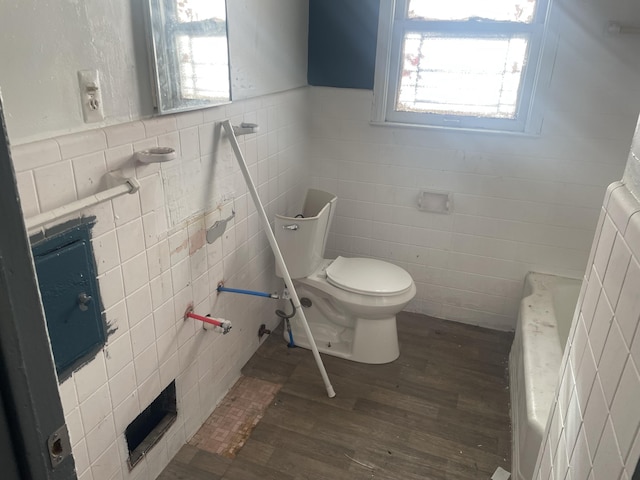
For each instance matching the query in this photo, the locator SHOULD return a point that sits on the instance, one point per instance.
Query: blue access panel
(69, 290)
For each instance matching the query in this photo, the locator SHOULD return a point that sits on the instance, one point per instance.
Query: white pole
(276, 251)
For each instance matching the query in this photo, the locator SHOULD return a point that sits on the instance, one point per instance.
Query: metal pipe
(248, 292)
(278, 255)
(130, 185)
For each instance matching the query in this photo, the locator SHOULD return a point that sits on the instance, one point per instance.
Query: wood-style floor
(441, 411)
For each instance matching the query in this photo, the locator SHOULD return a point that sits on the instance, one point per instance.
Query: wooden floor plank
(182, 471)
(242, 469)
(209, 462)
(440, 411)
(256, 452)
(274, 370)
(301, 466)
(307, 446)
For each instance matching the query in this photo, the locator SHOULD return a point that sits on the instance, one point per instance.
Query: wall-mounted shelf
(156, 155)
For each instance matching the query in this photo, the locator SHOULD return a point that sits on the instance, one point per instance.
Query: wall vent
(149, 427)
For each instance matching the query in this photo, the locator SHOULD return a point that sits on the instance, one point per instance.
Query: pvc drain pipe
(276, 252)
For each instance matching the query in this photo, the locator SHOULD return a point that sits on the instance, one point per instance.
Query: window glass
(196, 10)
(459, 10)
(473, 76)
(203, 64)
(467, 64)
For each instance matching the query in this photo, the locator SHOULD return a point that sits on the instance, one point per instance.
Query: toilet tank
(302, 240)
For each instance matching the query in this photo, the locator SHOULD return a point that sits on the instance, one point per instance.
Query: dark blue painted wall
(342, 43)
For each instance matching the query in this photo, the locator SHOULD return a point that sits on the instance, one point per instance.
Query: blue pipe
(247, 292)
(291, 343)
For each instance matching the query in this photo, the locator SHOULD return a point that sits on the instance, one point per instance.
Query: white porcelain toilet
(350, 303)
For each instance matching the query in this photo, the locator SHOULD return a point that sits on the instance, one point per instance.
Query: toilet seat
(368, 276)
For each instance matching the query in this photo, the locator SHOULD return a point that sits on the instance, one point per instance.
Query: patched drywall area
(200, 184)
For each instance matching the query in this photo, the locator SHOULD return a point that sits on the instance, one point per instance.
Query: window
(200, 36)
(188, 53)
(458, 63)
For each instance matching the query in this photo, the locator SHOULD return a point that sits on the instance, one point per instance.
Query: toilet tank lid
(368, 276)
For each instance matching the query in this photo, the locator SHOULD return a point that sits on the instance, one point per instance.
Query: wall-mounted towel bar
(129, 185)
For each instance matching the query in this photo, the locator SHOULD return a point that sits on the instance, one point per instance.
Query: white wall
(632, 171)
(520, 203)
(593, 425)
(268, 41)
(150, 264)
(149, 273)
(44, 44)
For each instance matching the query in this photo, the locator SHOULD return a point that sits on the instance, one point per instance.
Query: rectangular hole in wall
(149, 427)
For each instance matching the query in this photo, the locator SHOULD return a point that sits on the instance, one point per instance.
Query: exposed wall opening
(149, 427)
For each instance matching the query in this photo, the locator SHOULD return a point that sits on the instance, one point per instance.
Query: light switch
(91, 96)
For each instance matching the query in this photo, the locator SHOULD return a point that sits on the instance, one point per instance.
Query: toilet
(350, 303)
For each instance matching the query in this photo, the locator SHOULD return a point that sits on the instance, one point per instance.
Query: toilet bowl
(350, 303)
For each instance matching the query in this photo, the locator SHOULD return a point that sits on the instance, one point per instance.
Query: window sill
(463, 130)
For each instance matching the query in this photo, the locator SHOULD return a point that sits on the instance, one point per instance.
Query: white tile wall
(148, 272)
(520, 203)
(599, 424)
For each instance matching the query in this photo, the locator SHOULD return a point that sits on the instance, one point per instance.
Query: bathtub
(544, 320)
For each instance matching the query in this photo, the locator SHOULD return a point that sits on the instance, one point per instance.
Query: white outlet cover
(91, 96)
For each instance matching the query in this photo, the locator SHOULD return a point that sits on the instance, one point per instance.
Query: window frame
(392, 26)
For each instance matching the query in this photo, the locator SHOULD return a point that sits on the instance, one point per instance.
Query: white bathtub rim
(515, 422)
(541, 357)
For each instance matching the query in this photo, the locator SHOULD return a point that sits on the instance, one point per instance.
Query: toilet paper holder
(434, 201)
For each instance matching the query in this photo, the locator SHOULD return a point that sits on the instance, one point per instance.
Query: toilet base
(376, 342)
